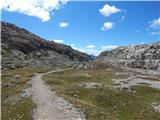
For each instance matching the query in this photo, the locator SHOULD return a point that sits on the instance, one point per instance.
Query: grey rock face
(92, 85)
(83, 65)
(22, 48)
(131, 81)
(137, 56)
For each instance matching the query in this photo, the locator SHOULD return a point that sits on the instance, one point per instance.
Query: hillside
(135, 56)
(21, 48)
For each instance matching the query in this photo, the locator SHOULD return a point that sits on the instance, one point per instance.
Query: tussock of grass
(105, 103)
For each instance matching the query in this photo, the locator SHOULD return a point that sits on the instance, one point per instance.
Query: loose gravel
(49, 105)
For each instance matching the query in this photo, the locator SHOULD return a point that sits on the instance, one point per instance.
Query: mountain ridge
(19, 43)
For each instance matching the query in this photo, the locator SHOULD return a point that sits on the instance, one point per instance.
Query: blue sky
(93, 27)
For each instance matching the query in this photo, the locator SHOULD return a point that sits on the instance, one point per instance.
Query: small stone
(124, 104)
(115, 107)
(17, 76)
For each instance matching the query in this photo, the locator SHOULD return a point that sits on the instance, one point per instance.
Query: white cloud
(155, 24)
(58, 41)
(154, 27)
(72, 45)
(109, 47)
(155, 33)
(122, 18)
(37, 8)
(107, 26)
(63, 24)
(90, 51)
(136, 31)
(107, 10)
(94, 51)
(143, 43)
(90, 46)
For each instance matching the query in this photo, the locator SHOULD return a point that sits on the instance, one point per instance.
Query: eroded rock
(92, 85)
(134, 56)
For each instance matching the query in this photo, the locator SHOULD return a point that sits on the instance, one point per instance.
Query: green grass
(13, 105)
(149, 94)
(21, 110)
(104, 103)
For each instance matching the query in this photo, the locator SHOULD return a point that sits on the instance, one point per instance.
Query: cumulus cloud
(94, 51)
(107, 26)
(37, 8)
(107, 10)
(90, 46)
(155, 24)
(122, 18)
(58, 41)
(155, 33)
(72, 45)
(136, 31)
(91, 50)
(63, 24)
(109, 47)
(143, 43)
(154, 27)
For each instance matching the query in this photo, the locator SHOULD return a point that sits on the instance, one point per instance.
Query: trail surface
(49, 105)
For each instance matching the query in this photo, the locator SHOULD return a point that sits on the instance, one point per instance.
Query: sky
(88, 26)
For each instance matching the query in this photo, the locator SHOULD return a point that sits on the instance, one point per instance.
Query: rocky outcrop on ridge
(21, 48)
(134, 56)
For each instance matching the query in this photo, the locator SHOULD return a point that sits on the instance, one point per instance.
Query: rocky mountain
(134, 56)
(21, 48)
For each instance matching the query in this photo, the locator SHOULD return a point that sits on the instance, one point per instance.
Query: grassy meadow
(104, 102)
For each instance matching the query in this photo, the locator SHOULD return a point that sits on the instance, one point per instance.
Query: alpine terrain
(45, 80)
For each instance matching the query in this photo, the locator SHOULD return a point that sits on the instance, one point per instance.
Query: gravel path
(49, 105)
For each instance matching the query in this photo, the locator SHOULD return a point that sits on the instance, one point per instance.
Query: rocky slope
(134, 56)
(21, 48)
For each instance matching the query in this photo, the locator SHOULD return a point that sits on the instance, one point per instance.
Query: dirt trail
(49, 105)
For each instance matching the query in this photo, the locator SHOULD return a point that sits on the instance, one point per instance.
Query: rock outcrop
(21, 48)
(134, 56)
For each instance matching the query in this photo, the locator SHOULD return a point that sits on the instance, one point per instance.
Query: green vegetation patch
(104, 103)
(150, 94)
